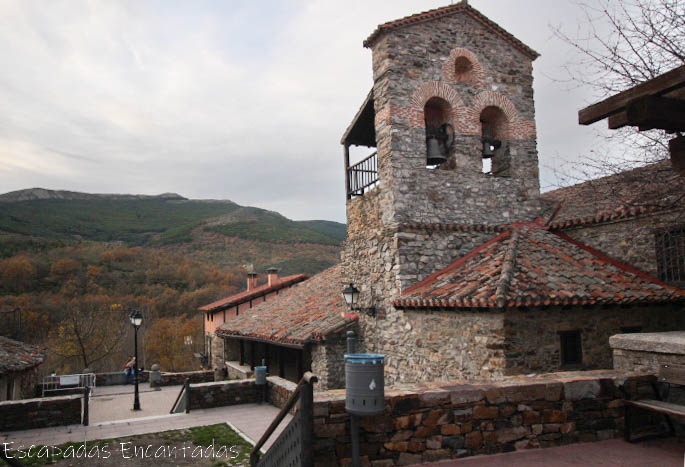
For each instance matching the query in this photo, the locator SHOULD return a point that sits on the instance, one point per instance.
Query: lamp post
(136, 318)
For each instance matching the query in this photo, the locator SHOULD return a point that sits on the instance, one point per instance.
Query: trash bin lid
(365, 358)
(260, 368)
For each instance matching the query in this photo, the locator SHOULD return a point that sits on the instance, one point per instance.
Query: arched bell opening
(494, 137)
(439, 131)
(463, 70)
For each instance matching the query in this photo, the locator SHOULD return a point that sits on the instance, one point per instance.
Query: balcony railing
(362, 176)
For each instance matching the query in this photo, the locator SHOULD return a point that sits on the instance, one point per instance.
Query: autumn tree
(171, 342)
(620, 44)
(17, 274)
(91, 329)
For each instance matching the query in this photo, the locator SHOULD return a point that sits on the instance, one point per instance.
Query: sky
(229, 99)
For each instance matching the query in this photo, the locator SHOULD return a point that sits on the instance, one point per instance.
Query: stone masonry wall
(223, 393)
(644, 361)
(176, 379)
(28, 414)
(435, 422)
(328, 362)
(532, 343)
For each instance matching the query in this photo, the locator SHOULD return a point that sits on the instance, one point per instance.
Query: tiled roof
(461, 7)
(17, 356)
(243, 297)
(630, 193)
(531, 266)
(306, 312)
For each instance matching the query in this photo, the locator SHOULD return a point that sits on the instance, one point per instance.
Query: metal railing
(294, 446)
(362, 176)
(182, 402)
(54, 383)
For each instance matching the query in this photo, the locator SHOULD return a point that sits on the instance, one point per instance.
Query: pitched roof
(306, 312)
(654, 187)
(18, 356)
(246, 295)
(530, 266)
(461, 7)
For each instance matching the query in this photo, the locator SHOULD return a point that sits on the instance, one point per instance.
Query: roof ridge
(462, 6)
(623, 211)
(507, 272)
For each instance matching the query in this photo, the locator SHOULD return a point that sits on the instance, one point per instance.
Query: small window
(630, 329)
(571, 348)
(670, 254)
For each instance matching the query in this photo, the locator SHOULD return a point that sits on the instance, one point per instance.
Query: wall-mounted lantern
(351, 294)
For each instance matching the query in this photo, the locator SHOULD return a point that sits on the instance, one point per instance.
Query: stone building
(472, 273)
(216, 313)
(18, 368)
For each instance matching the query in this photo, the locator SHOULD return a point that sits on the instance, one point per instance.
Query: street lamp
(351, 294)
(136, 318)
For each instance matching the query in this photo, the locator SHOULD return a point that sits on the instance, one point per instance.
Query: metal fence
(67, 383)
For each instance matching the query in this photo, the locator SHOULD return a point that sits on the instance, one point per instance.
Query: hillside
(150, 220)
(76, 263)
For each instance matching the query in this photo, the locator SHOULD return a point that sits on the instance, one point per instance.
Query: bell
(435, 153)
(489, 146)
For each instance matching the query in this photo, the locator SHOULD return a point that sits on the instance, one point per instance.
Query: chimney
(272, 276)
(251, 277)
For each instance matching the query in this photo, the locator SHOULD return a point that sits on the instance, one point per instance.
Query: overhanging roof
(362, 130)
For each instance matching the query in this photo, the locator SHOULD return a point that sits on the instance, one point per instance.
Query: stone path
(110, 403)
(250, 420)
(613, 452)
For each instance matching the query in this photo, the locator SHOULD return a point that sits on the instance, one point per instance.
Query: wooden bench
(669, 375)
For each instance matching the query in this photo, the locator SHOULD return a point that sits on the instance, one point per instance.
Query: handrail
(185, 383)
(362, 175)
(307, 378)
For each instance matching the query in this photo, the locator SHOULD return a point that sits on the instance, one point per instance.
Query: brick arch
(491, 99)
(439, 89)
(477, 74)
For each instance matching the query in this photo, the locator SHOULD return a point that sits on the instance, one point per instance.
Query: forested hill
(74, 264)
(153, 221)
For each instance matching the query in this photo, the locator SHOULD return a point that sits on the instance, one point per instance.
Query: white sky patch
(232, 100)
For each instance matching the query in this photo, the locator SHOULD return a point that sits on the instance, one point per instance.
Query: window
(571, 348)
(670, 254)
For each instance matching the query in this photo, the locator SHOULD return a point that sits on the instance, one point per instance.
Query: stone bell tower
(452, 118)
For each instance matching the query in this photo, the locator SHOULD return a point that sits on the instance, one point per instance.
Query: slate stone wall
(29, 414)
(431, 423)
(223, 393)
(532, 343)
(177, 379)
(328, 362)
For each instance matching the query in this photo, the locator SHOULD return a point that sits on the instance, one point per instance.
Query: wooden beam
(618, 120)
(677, 149)
(658, 86)
(347, 171)
(652, 112)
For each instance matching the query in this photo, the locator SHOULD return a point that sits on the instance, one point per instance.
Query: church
(463, 269)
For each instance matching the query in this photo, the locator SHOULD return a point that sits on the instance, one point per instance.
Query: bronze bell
(489, 146)
(436, 155)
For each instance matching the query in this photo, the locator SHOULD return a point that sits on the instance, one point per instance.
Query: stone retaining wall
(176, 379)
(280, 390)
(224, 393)
(434, 421)
(118, 377)
(28, 414)
(648, 352)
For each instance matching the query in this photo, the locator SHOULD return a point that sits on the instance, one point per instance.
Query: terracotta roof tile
(306, 312)
(246, 295)
(18, 356)
(531, 266)
(631, 193)
(461, 7)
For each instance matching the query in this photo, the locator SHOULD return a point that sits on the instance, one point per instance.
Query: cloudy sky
(230, 99)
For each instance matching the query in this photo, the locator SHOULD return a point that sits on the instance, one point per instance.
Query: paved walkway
(613, 452)
(250, 420)
(110, 403)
